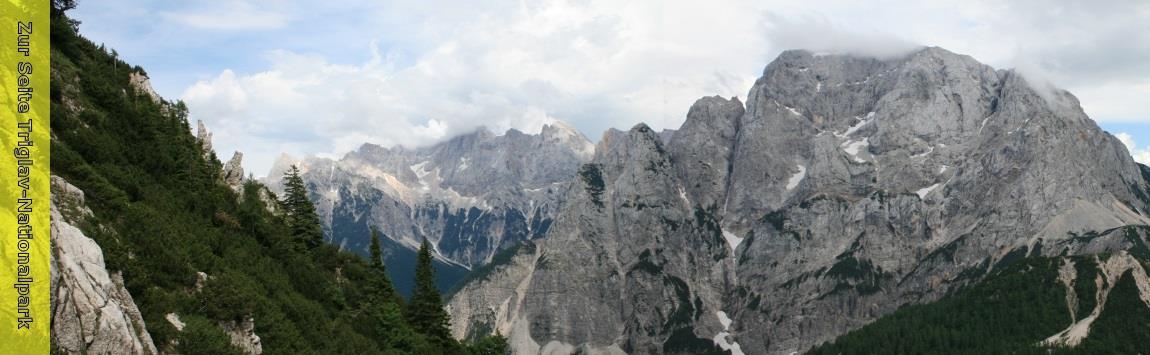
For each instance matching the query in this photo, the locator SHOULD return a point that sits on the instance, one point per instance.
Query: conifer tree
(495, 344)
(376, 251)
(425, 311)
(59, 7)
(301, 216)
(384, 289)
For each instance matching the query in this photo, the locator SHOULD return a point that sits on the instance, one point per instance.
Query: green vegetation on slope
(162, 215)
(1123, 327)
(1010, 311)
(502, 258)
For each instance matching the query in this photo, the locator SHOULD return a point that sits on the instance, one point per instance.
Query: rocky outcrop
(233, 173)
(174, 320)
(92, 312)
(243, 335)
(702, 149)
(845, 188)
(269, 199)
(205, 139)
(143, 85)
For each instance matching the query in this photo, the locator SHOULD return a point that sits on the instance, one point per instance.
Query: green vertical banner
(25, 239)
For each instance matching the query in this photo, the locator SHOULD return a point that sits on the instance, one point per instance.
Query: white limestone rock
(92, 312)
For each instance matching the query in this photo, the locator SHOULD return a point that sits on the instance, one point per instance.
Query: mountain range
(844, 189)
(470, 197)
(919, 203)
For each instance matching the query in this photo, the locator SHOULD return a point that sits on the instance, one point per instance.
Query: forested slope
(1017, 309)
(162, 214)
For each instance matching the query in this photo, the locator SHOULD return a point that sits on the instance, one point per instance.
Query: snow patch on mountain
(797, 178)
(926, 191)
(923, 154)
(420, 170)
(722, 340)
(732, 239)
(723, 319)
(855, 147)
(862, 122)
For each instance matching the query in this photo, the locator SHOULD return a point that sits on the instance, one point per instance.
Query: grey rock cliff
(233, 173)
(243, 335)
(703, 147)
(92, 312)
(918, 172)
(142, 84)
(846, 188)
(205, 138)
(610, 276)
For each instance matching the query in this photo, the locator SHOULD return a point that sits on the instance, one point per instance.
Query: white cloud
(820, 35)
(447, 67)
(1141, 155)
(1118, 101)
(596, 64)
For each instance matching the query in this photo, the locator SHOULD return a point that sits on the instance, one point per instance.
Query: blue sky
(321, 78)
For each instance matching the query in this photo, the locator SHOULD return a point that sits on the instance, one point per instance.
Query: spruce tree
(495, 344)
(425, 311)
(301, 216)
(382, 282)
(376, 251)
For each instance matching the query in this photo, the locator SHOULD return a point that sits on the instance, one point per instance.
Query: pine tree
(425, 311)
(301, 216)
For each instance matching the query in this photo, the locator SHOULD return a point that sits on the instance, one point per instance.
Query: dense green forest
(162, 214)
(1009, 312)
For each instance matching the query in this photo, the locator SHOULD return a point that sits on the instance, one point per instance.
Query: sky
(270, 77)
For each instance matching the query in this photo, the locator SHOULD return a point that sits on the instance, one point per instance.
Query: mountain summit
(844, 189)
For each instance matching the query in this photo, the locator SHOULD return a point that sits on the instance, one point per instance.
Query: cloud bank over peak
(267, 77)
(820, 35)
(594, 64)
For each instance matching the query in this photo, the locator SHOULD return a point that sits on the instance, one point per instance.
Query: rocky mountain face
(92, 312)
(471, 196)
(616, 272)
(844, 188)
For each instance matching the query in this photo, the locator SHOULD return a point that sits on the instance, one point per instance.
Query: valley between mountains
(924, 202)
(844, 189)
